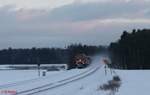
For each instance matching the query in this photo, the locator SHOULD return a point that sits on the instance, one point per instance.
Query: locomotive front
(82, 61)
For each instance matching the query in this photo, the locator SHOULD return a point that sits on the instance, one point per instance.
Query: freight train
(82, 60)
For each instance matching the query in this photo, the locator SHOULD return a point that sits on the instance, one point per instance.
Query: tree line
(47, 55)
(132, 50)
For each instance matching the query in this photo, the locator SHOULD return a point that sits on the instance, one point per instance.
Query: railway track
(10, 85)
(49, 86)
(5, 86)
(23, 82)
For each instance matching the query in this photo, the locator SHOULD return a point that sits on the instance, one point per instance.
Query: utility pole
(38, 64)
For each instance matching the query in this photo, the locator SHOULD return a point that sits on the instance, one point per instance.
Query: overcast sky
(57, 23)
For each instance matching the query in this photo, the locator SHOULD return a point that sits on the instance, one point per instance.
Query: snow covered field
(9, 76)
(133, 82)
(21, 80)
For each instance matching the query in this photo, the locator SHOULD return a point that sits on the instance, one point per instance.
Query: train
(82, 60)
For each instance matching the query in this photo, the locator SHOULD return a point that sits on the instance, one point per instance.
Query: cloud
(89, 11)
(35, 4)
(85, 22)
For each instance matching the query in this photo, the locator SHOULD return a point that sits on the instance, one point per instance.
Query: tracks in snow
(49, 86)
(24, 82)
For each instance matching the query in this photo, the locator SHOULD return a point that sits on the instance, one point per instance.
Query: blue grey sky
(57, 23)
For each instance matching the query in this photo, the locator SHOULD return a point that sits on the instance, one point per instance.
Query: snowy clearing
(133, 82)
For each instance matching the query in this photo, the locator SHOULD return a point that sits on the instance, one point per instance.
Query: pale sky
(57, 23)
(35, 4)
(41, 4)
(48, 4)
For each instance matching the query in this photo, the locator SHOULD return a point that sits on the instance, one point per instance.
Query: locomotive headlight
(80, 60)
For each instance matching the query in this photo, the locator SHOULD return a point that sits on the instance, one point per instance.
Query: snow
(51, 77)
(85, 86)
(11, 76)
(133, 82)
